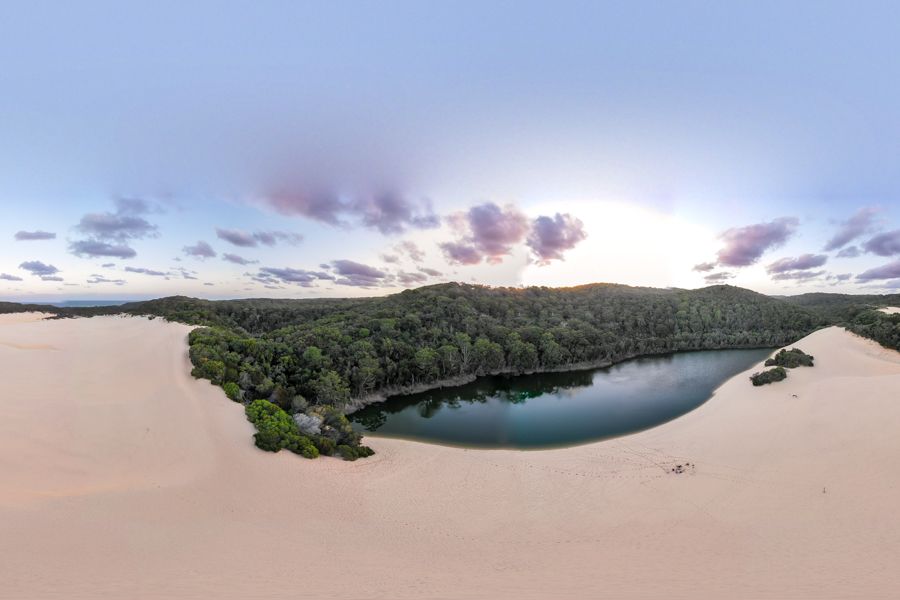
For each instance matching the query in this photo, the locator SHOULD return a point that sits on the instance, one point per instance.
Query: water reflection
(558, 408)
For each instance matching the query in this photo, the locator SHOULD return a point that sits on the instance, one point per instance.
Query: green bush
(791, 359)
(770, 376)
(276, 430)
(232, 390)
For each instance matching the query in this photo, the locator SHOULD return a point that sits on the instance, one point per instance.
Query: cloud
(357, 274)
(848, 252)
(238, 260)
(108, 265)
(888, 271)
(745, 245)
(390, 258)
(884, 244)
(144, 271)
(322, 206)
(704, 267)
(126, 223)
(488, 232)
(551, 237)
(24, 236)
(248, 239)
(409, 279)
(200, 250)
(51, 278)
(801, 263)
(95, 248)
(840, 277)
(718, 277)
(411, 250)
(797, 275)
(102, 279)
(393, 214)
(388, 212)
(36, 267)
(458, 253)
(186, 273)
(431, 272)
(7, 277)
(302, 277)
(209, 284)
(857, 225)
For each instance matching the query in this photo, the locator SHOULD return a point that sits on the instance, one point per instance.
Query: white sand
(24, 317)
(121, 477)
(891, 310)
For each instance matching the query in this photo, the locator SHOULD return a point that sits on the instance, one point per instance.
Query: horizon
(550, 146)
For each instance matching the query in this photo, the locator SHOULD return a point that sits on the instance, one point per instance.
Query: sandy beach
(123, 477)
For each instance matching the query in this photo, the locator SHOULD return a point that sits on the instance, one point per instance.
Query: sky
(294, 149)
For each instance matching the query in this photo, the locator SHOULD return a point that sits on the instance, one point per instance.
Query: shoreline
(144, 483)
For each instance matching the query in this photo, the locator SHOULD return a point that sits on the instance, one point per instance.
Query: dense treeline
(316, 359)
(452, 333)
(882, 327)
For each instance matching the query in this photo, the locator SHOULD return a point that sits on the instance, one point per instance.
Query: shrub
(791, 359)
(770, 376)
(276, 430)
(232, 391)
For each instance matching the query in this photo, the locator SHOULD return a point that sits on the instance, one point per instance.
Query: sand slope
(121, 477)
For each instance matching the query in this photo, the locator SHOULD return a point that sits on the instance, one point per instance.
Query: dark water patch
(559, 409)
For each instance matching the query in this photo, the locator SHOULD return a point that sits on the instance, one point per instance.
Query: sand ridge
(124, 477)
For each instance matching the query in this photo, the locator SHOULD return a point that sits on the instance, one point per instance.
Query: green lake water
(558, 409)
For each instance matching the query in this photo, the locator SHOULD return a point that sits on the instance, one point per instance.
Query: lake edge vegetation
(315, 359)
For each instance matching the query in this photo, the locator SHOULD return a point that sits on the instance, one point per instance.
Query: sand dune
(122, 477)
(891, 310)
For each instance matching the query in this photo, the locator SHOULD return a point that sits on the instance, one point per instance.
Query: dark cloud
(238, 260)
(849, 252)
(551, 237)
(857, 225)
(390, 258)
(884, 244)
(24, 236)
(488, 232)
(431, 272)
(745, 245)
(316, 205)
(251, 239)
(389, 213)
(392, 213)
(36, 267)
(209, 284)
(409, 279)
(102, 279)
(357, 274)
(108, 265)
(718, 277)
(126, 223)
(888, 271)
(95, 248)
(51, 278)
(458, 253)
(7, 277)
(704, 267)
(800, 263)
(144, 271)
(302, 277)
(200, 250)
(797, 275)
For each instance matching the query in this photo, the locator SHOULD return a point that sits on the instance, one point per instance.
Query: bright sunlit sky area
(293, 149)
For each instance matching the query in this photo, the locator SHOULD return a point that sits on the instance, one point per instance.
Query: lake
(558, 409)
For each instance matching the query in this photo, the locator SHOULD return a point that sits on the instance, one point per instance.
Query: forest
(312, 361)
